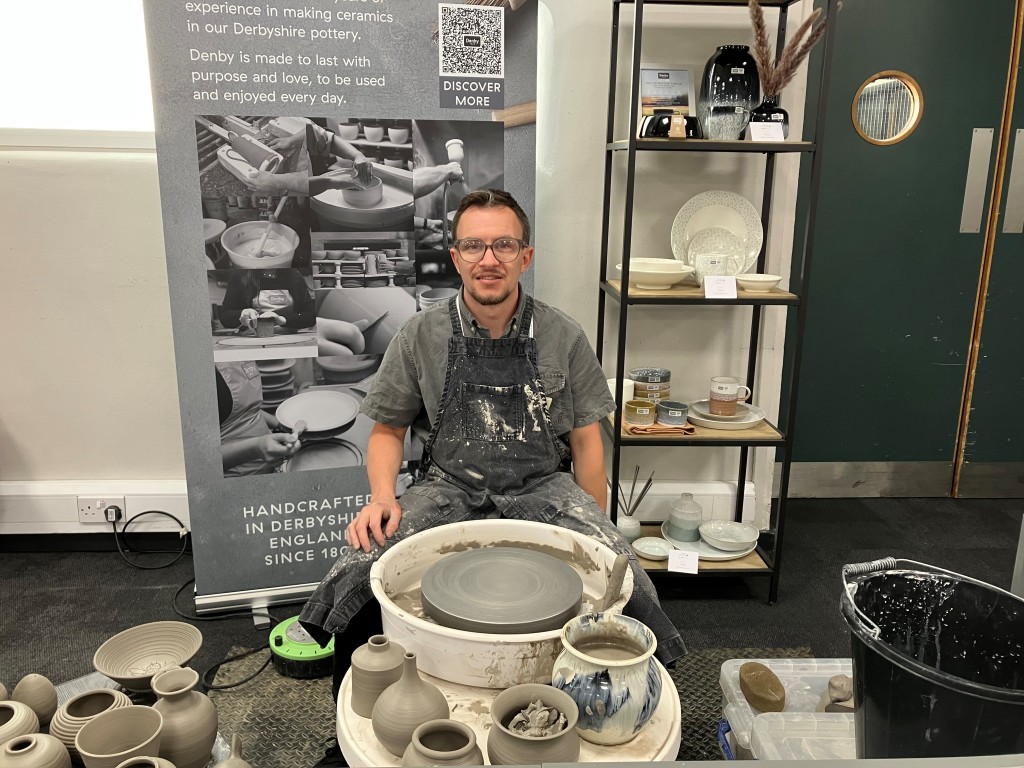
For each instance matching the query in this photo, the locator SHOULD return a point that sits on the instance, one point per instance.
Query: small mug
(671, 413)
(725, 392)
(642, 413)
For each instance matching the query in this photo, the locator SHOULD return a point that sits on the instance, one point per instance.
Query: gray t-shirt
(410, 382)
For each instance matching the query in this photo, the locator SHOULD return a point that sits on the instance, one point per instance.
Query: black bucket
(938, 662)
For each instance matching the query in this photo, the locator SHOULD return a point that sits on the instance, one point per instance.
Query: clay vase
(76, 712)
(3, 692)
(16, 719)
(36, 750)
(507, 747)
(442, 742)
(113, 736)
(607, 666)
(404, 705)
(144, 761)
(38, 692)
(375, 666)
(190, 718)
(234, 759)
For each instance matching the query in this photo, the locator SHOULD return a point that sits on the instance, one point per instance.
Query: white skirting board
(52, 506)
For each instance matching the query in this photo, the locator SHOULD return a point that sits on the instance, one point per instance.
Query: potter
(511, 396)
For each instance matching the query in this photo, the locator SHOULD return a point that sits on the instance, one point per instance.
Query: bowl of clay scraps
(365, 197)
(133, 656)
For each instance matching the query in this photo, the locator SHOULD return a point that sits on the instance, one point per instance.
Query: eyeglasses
(505, 249)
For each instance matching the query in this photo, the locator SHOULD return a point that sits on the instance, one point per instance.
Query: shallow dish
(656, 274)
(703, 409)
(133, 656)
(729, 535)
(502, 590)
(750, 419)
(652, 548)
(704, 550)
(758, 283)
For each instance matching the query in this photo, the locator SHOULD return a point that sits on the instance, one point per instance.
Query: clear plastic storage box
(805, 681)
(803, 736)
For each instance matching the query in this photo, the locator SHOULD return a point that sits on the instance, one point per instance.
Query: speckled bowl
(650, 375)
(642, 413)
(672, 413)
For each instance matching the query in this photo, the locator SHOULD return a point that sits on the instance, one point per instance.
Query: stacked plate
(353, 266)
(717, 233)
(747, 416)
(433, 296)
(278, 380)
(731, 540)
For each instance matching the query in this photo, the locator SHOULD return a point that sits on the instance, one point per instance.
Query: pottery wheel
(501, 590)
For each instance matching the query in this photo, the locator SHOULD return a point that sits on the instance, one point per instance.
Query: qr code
(471, 39)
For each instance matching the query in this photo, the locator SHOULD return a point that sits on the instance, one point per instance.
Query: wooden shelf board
(694, 294)
(752, 563)
(765, 432)
(708, 145)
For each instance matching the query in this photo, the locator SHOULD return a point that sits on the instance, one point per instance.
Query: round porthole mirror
(887, 107)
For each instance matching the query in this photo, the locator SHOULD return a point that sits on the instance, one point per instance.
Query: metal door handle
(977, 179)
(1013, 215)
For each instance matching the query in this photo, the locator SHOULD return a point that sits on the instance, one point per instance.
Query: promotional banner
(311, 156)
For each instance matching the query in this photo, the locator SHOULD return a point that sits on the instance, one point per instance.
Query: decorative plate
(321, 409)
(751, 418)
(704, 550)
(501, 590)
(718, 210)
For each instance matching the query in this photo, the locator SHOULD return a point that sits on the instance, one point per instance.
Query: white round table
(658, 741)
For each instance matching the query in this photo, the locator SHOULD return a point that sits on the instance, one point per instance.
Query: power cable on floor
(124, 530)
(206, 679)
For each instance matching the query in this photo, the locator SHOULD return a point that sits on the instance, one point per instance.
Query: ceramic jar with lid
(685, 518)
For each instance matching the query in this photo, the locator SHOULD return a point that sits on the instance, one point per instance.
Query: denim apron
(246, 418)
(491, 430)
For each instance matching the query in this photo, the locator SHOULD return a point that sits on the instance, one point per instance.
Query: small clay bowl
(655, 397)
(642, 413)
(671, 413)
(646, 386)
(650, 375)
(364, 198)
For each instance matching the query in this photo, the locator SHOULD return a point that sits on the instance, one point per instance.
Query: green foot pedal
(296, 654)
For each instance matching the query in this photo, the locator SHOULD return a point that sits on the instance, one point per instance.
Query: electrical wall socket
(90, 508)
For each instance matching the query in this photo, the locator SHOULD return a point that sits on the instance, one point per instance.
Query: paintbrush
(629, 505)
(646, 488)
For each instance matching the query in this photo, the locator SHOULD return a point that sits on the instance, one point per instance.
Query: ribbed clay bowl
(73, 715)
(133, 656)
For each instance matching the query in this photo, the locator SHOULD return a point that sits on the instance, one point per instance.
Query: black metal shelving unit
(766, 561)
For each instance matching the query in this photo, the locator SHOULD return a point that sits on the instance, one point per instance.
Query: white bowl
(656, 274)
(728, 535)
(242, 239)
(758, 283)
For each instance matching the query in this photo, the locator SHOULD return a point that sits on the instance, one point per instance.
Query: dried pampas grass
(776, 74)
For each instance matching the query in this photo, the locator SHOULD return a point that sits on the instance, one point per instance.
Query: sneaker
(332, 757)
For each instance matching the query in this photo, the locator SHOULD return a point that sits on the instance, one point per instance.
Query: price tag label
(682, 561)
(719, 287)
(766, 132)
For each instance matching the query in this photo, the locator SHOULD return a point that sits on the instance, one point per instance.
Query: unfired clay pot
(144, 761)
(375, 666)
(3, 692)
(36, 750)
(38, 692)
(404, 705)
(442, 742)
(190, 719)
(234, 759)
(113, 736)
(507, 747)
(16, 719)
(76, 712)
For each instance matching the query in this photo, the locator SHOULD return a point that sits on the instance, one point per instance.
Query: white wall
(87, 386)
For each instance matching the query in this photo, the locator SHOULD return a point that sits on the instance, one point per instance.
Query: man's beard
(491, 299)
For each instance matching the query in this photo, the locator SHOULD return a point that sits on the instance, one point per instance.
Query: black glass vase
(769, 111)
(729, 91)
